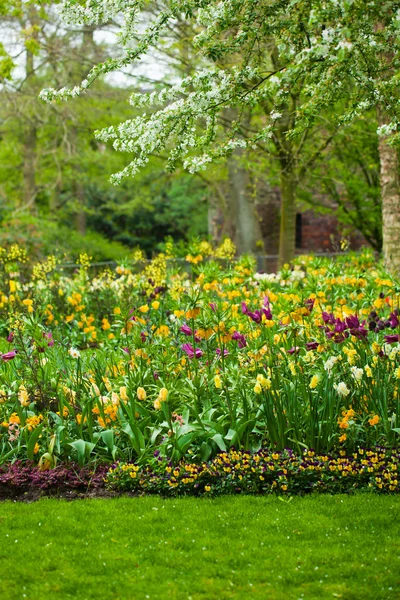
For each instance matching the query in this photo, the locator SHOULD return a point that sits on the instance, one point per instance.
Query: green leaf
(30, 451)
(108, 438)
(219, 440)
(83, 450)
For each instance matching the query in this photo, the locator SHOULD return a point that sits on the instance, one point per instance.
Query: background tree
(335, 50)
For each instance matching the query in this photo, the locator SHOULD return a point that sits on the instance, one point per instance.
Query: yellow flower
(374, 420)
(258, 388)
(141, 393)
(155, 305)
(207, 488)
(343, 438)
(264, 382)
(157, 404)
(36, 448)
(193, 313)
(314, 382)
(163, 394)
(144, 308)
(368, 371)
(105, 324)
(123, 393)
(217, 382)
(23, 396)
(13, 286)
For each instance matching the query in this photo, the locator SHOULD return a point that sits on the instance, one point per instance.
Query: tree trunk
(248, 232)
(29, 178)
(30, 134)
(287, 231)
(390, 192)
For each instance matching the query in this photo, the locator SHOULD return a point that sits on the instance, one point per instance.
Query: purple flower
(241, 340)
(8, 355)
(143, 336)
(213, 306)
(10, 337)
(328, 318)
(294, 350)
(340, 326)
(352, 322)
(309, 303)
(392, 339)
(218, 351)
(393, 320)
(49, 337)
(188, 331)
(312, 345)
(191, 352)
(126, 350)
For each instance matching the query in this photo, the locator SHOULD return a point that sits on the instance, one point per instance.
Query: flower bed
(265, 472)
(233, 472)
(152, 358)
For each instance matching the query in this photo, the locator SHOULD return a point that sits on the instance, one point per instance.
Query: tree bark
(390, 191)
(29, 178)
(248, 237)
(287, 231)
(30, 134)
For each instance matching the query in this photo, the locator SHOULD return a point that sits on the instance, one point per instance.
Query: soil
(13, 494)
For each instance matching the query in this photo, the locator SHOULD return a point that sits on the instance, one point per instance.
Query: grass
(230, 547)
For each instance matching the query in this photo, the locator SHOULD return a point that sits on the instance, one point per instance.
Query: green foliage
(45, 237)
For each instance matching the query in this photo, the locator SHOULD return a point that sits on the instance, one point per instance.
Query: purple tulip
(186, 329)
(10, 337)
(393, 320)
(8, 355)
(309, 303)
(340, 326)
(241, 340)
(218, 351)
(312, 345)
(191, 352)
(49, 337)
(392, 339)
(328, 318)
(294, 350)
(352, 322)
(267, 313)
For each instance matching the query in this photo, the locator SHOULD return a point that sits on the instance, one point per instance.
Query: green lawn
(229, 547)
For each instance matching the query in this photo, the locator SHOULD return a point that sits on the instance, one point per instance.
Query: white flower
(74, 353)
(297, 275)
(275, 115)
(342, 389)
(330, 363)
(269, 277)
(357, 373)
